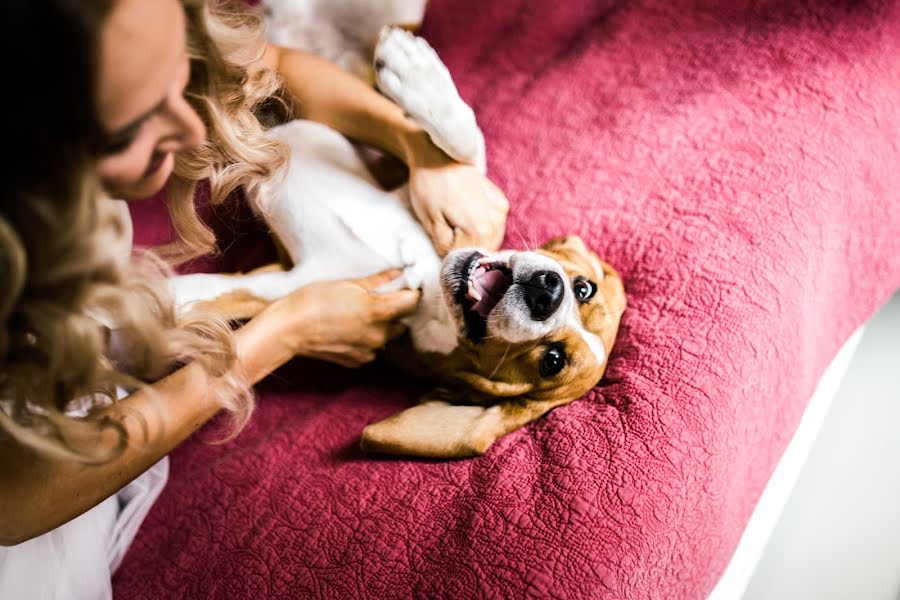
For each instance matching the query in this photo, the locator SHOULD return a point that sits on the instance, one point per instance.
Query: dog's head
(535, 330)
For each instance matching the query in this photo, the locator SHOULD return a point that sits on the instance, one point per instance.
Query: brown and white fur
(506, 335)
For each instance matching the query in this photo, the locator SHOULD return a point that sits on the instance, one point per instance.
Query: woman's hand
(344, 322)
(454, 202)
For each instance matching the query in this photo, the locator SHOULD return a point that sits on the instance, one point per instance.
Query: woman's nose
(187, 129)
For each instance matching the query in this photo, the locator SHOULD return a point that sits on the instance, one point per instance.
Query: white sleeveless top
(76, 560)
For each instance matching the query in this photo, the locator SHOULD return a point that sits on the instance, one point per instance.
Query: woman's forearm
(321, 91)
(38, 493)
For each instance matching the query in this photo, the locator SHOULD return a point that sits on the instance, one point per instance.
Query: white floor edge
(772, 501)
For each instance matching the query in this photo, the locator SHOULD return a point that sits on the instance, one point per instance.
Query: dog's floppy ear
(494, 389)
(439, 428)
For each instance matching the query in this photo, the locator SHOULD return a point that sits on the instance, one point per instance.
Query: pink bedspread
(739, 162)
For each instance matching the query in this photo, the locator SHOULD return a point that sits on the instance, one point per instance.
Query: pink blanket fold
(739, 162)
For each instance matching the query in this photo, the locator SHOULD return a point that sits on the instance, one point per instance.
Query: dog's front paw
(410, 279)
(409, 72)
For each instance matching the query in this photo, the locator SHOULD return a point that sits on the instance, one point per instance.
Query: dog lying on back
(506, 336)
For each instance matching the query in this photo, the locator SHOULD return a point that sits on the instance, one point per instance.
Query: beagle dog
(506, 336)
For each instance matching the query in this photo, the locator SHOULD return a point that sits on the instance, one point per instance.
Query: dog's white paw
(409, 72)
(411, 279)
(415, 270)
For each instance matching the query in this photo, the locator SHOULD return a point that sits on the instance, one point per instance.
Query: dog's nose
(543, 294)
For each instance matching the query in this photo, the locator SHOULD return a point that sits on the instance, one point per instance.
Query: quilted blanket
(739, 163)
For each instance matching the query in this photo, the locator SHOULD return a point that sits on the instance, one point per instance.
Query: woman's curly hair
(78, 318)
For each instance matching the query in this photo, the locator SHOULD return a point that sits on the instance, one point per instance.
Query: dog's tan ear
(437, 428)
(494, 389)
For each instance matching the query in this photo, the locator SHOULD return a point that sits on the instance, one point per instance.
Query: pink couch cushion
(739, 162)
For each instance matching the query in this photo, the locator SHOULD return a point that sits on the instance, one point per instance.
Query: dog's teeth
(484, 260)
(474, 293)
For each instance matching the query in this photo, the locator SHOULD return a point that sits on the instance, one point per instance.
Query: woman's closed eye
(120, 140)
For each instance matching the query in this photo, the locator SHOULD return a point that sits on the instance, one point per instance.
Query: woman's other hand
(452, 200)
(344, 322)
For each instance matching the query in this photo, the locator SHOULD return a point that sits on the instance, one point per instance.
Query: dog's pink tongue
(491, 285)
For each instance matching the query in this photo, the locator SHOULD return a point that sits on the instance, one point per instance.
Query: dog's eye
(553, 361)
(584, 289)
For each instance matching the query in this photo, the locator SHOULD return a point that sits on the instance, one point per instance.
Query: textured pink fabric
(739, 162)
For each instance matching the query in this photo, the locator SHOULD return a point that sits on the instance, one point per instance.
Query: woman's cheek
(154, 182)
(121, 172)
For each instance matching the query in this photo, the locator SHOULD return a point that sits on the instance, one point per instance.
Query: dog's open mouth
(483, 281)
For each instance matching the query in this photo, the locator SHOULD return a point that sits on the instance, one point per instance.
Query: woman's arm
(39, 493)
(343, 321)
(446, 196)
(321, 91)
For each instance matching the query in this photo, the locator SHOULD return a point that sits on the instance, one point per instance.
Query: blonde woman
(118, 99)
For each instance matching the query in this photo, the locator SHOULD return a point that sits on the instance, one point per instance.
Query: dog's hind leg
(221, 293)
(409, 72)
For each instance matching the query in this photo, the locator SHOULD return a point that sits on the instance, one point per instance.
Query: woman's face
(144, 70)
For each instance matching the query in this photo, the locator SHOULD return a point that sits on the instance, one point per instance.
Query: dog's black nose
(543, 294)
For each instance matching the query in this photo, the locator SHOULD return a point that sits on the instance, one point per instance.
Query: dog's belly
(330, 214)
(336, 223)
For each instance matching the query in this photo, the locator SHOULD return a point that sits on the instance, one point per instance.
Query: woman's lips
(156, 162)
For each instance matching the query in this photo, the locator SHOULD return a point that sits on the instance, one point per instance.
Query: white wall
(839, 535)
